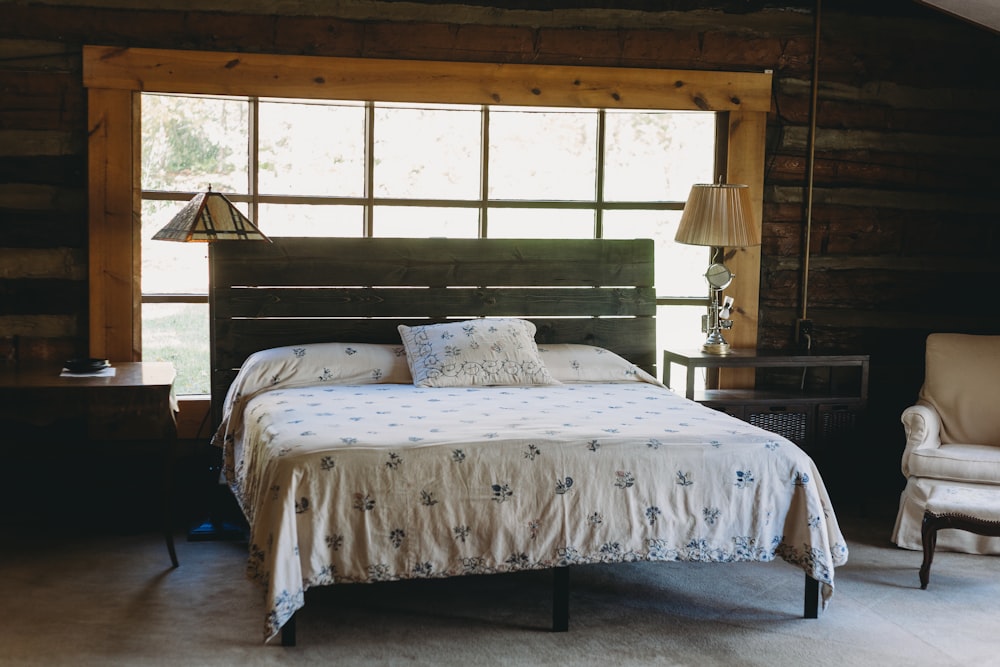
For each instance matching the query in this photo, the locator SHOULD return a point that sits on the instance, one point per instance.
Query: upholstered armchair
(952, 435)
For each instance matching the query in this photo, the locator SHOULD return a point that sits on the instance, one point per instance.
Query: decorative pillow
(493, 351)
(569, 362)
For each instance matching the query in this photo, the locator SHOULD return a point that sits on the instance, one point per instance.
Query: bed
(419, 408)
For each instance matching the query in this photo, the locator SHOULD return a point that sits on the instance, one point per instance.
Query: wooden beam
(745, 165)
(228, 73)
(114, 277)
(38, 142)
(39, 326)
(34, 263)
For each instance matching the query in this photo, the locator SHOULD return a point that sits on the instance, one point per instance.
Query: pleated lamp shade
(718, 215)
(210, 216)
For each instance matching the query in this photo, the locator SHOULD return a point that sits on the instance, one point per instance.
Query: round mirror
(718, 276)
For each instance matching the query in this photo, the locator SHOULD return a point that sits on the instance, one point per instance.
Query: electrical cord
(802, 381)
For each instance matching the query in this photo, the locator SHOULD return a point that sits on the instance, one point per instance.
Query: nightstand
(136, 402)
(814, 417)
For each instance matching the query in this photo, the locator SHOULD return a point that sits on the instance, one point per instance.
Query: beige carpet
(114, 601)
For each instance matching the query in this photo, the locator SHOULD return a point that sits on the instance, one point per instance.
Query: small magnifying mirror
(718, 276)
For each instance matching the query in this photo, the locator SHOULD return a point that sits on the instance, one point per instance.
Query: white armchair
(952, 435)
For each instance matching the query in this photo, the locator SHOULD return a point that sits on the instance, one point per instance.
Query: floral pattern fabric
(489, 351)
(572, 362)
(377, 482)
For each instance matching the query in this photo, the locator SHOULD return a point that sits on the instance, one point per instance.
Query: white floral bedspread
(389, 481)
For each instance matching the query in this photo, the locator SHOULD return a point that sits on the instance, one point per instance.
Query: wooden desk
(38, 405)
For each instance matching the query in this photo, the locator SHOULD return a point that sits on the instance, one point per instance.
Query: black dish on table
(86, 365)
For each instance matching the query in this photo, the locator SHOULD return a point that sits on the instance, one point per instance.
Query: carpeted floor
(113, 600)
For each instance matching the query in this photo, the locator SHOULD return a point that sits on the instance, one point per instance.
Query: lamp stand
(715, 343)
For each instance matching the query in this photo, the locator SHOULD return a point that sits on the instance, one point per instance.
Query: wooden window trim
(316, 77)
(115, 76)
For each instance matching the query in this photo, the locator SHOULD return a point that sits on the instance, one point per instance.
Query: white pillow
(323, 363)
(569, 362)
(492, 351)
(307, 365)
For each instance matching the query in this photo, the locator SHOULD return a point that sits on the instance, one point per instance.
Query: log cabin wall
(903, 227)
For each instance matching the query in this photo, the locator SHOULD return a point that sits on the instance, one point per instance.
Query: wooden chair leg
(928, 536)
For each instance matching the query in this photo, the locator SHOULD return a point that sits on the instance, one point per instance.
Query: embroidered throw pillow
(492, 351)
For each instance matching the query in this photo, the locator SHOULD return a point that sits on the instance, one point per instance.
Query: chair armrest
(922, 425)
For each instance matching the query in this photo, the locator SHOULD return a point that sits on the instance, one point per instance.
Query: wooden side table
(810, 418)
(137, 402)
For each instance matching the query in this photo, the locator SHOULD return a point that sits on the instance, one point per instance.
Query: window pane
(312, 149)
(527, 223)
(680, 269)
(311, 220)
(169, 267)
(190, 143)
(657, 156)
(420, 221)
(547, 155)
(427, 153)
(178, 333)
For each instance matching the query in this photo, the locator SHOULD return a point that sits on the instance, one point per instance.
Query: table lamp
(210, 216)
(720, 216)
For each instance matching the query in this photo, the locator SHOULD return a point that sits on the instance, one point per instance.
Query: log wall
(903, 223)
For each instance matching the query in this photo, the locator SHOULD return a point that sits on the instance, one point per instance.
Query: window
(115, 76)
(433, 170)
(188, 144)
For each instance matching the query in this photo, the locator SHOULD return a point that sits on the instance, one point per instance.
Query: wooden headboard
(307, 290)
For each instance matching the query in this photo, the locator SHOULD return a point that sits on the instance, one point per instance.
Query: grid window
(308, 168)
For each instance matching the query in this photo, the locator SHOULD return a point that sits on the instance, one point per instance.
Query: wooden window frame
(115, 76)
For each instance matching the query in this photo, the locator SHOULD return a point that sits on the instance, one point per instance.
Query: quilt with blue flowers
(387, 481)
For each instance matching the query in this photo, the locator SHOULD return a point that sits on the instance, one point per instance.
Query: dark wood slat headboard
(308, 290)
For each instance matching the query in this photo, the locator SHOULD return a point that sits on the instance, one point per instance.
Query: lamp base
(715, 343)
(715, 348)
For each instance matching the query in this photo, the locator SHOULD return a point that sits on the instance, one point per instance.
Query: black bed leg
(811, 598)
(288, 632)
(560, 599)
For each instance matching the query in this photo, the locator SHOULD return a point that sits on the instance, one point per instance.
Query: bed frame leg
(560, 599)
(811, 598)
(288, 632)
